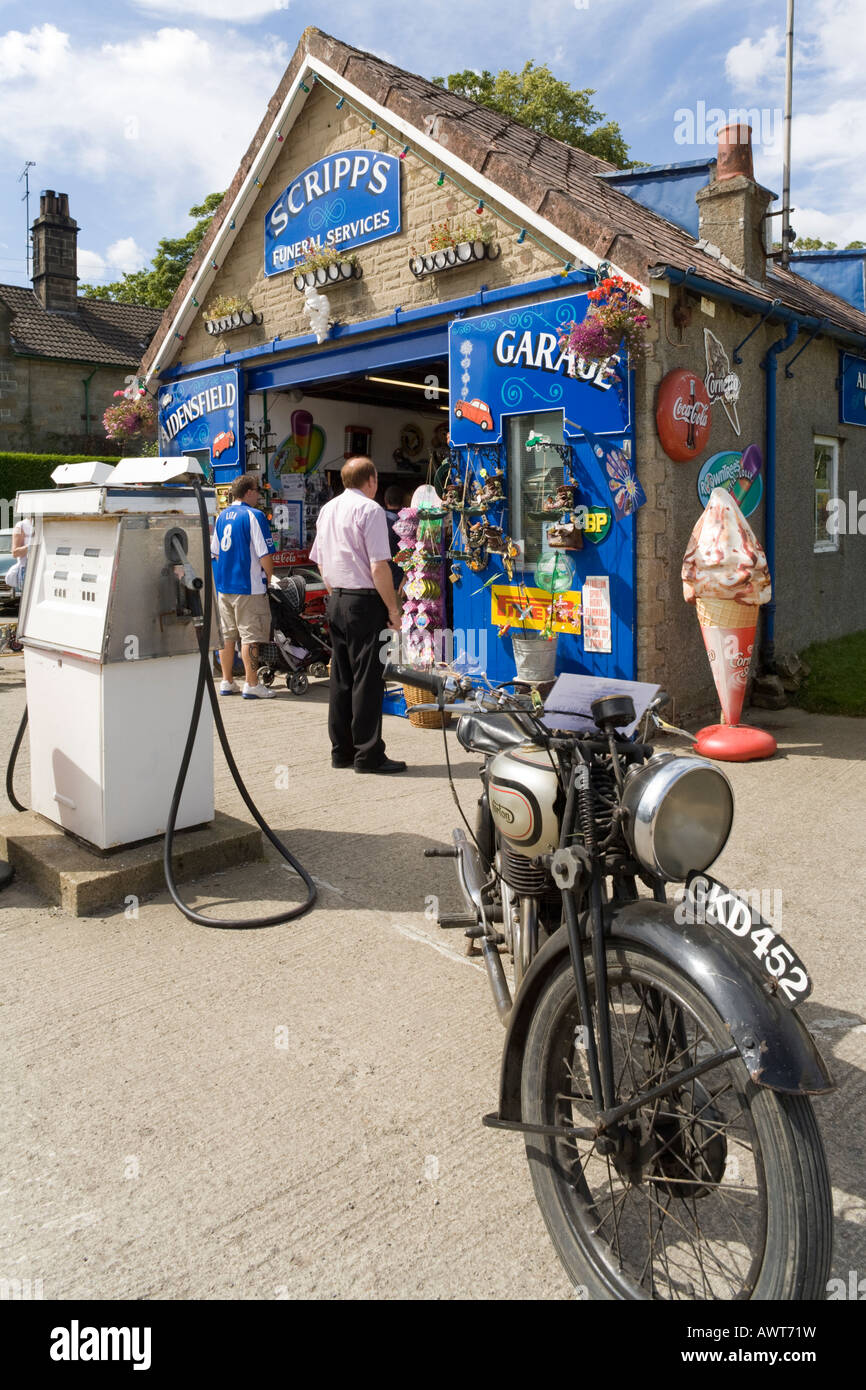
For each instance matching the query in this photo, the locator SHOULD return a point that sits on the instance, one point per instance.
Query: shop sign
(519, 609)
(738, 473)
(722, 384)
(341, 202)
(852, 389)
(198, 413)
(511, 363)
(683, 415)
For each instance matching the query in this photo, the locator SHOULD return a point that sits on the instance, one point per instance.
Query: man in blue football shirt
(242, 551)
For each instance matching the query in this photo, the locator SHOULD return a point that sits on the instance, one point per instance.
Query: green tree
(537, 99)
(156, 286)
(812, 243)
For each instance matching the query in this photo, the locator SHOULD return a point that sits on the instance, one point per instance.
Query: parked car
(8, 597)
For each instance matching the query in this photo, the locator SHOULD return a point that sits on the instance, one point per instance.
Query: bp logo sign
(594, 522)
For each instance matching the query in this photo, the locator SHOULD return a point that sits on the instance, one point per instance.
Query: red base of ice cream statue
(725, 576)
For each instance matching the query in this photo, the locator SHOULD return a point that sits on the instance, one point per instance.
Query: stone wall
(42, 405)
(818, 594)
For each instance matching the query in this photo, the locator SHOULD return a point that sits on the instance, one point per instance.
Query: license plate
(711, 902)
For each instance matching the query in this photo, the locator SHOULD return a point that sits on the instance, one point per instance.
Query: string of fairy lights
(523, 234)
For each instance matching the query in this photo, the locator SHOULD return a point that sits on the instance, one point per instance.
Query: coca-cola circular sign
(683, 415)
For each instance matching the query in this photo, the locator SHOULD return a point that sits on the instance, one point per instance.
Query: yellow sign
(508, 609)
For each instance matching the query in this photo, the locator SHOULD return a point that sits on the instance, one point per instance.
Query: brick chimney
(55, 254)
(732, 207)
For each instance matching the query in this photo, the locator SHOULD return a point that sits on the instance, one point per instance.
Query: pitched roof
(551, 178)
(99, 331)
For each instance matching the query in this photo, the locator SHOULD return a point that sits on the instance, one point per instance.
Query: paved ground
(295, 1112)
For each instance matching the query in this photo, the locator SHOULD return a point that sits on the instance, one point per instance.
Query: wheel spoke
(696, 1236)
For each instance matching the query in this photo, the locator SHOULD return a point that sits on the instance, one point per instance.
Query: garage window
(534, 474)
(826, 487)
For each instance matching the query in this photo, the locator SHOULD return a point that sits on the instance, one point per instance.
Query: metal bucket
(535, 659)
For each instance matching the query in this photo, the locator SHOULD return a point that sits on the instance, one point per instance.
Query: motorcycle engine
(520, 873)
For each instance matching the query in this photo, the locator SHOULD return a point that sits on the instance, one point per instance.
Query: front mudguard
(772, 1040)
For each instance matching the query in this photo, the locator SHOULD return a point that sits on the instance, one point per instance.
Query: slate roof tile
(100, 331)
(544, 174)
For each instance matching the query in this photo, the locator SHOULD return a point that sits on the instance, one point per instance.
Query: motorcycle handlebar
(422, 680)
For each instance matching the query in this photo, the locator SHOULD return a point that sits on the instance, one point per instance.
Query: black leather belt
(356, 591)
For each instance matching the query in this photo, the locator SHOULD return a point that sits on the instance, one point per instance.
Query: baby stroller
(298, 645)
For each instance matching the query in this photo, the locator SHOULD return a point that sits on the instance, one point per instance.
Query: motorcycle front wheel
(717, 1190)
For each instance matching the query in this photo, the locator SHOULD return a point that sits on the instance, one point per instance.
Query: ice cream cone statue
(725, 576)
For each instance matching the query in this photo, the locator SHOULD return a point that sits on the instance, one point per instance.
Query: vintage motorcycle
(653, 1059)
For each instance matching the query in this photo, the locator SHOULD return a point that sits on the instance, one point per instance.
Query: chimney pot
(735, 153)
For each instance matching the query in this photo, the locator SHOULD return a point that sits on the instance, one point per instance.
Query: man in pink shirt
(353, 553)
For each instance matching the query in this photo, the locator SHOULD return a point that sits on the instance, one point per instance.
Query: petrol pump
(117, 623)
(111, 651)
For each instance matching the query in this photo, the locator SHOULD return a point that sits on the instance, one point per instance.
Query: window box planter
(241, 318)
(332, 274)
(450, 257)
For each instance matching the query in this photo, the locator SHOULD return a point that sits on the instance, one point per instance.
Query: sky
(139, 109)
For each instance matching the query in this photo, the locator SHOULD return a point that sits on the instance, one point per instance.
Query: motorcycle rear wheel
(721, 1191)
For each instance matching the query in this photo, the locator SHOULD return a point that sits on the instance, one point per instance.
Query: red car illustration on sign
(475, 410)
(222, 442)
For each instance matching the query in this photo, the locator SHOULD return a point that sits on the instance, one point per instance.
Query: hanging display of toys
(565, 535)
(421, 557)
(561, 501)
(493, 486)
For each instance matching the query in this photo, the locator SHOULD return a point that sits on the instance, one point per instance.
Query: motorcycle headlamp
(679, 814)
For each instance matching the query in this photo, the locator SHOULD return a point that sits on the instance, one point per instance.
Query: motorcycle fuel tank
(522, 786)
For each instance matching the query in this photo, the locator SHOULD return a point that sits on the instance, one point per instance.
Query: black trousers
(356, 621)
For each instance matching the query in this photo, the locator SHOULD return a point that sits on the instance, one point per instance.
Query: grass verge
(837, 680)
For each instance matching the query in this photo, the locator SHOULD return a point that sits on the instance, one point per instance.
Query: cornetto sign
(341, 202)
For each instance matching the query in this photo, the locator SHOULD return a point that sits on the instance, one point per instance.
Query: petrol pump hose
(205, 677)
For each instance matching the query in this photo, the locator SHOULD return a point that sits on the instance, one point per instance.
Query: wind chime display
(420, 528)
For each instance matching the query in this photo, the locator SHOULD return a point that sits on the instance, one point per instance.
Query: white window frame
(830, 544)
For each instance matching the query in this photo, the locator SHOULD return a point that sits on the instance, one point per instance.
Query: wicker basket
(424, 719)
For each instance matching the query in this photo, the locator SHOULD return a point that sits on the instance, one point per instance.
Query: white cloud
(41, 52)
(121, 258)
(751, 63)
(828, 131)
(227, 11)
(166, 115)
(126, 255)
(91, 266)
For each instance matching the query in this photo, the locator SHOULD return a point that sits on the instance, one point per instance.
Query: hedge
(21, 472)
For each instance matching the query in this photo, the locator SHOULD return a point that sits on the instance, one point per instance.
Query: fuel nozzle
(180, 586)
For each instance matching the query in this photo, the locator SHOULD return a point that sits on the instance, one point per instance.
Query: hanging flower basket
(615, 316)
(129, 418)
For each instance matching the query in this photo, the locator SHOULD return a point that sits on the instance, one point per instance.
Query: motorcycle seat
(492, 732)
